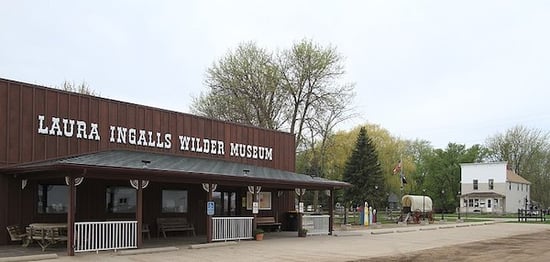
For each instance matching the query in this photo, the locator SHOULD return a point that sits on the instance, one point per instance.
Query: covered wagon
(415, 208)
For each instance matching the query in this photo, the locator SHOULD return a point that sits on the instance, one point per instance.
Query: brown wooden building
(67, 157)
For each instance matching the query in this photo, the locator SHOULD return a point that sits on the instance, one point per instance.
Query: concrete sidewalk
(344, 246)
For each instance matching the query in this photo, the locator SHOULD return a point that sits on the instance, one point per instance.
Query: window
(488, 203)
(226, 203)
(264, 199)
(121, 199)
(52, 199)
(475, 184)
(517, 187)
(509, 185)
(470, 202)
(521, 187)
(174, 201)
(476, 203)
(491, 184)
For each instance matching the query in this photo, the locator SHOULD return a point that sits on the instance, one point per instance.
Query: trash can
(291, 221)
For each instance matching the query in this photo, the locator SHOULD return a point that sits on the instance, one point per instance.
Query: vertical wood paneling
(14, 109)
(39, 151)
(94, 116)
(27, 130)
(4, 112)
(20, 141)
(51, 110)
(63, 143)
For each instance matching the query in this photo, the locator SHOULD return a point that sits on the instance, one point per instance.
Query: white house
(492, 188)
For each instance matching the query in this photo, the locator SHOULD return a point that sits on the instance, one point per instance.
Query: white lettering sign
(70, 128)
(53, 128)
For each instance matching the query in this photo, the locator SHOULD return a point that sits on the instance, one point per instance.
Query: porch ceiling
(163, 167)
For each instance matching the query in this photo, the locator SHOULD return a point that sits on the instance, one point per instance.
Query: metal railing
(110, 235)
(316, 224)
(231, 228)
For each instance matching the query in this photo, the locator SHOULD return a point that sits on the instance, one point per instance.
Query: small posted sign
(255, 207)
(210, 208)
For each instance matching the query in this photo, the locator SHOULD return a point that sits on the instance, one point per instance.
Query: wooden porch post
(139, 213)
(331, 211)
(71, 216)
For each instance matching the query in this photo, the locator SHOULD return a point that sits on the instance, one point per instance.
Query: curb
(216, 244)
(348, 234)
(146, 251)
(29, 258)
(380, 232)
(405, 230)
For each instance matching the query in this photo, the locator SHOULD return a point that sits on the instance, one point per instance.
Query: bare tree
(527, 151)
(82, 88)
(289, 91)
(243, 87)
(310, 75)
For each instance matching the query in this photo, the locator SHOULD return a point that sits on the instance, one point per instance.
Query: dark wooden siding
(20, 142)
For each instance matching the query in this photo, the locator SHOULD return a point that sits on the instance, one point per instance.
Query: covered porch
(140, 187)
(488, 202)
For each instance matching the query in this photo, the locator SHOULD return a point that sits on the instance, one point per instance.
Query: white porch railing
(110, 235)
(231, 228)
(316, 224)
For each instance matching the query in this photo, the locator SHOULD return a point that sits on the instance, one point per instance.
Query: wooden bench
(17, 233)
(173, 224)
(268, 222)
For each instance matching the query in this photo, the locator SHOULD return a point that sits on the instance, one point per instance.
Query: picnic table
(46, 234)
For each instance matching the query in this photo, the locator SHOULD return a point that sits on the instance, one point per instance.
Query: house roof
(177, 168)
(511, 176)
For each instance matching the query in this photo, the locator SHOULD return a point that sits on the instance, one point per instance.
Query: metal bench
(173, 224)
(268, 222)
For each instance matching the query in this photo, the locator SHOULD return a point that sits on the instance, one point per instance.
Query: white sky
(443, 71)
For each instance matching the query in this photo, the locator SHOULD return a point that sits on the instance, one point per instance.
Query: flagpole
(401, 178)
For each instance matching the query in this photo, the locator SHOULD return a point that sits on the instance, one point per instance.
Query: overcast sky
(442, 71)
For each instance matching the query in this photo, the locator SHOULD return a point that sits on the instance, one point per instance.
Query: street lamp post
(423, 204)
(442, 212)
(459, 206)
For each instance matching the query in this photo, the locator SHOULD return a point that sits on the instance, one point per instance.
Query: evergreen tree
(364, 173)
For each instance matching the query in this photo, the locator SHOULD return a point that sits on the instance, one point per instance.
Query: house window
(120, 199)
(517, 187)
(475, 184)
(510, 186)
(470, 202)
(521, 187)
(476, 203)
(491, 184)
(174, 201)
(52, 199)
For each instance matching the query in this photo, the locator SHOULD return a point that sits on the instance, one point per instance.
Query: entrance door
(226, 203)
(489, 206)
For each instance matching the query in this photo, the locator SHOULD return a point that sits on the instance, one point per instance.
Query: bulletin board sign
(264, 201)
